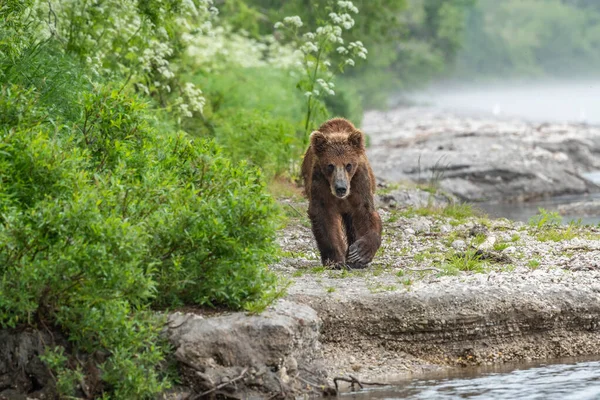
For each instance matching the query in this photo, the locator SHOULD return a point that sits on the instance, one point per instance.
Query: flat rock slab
(274, 353)
(476, 319)
(482, 159)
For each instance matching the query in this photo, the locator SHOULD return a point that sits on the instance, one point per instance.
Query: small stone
(409, 231)
(488, 244)
(445, 228)
(421, 225)
(510, 250)
(458, 244)
(478, 230)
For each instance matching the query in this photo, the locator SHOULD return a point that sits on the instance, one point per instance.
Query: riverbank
(483, 159)
(450, 288)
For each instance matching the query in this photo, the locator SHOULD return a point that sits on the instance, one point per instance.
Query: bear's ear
(318, 141)
(356, 140)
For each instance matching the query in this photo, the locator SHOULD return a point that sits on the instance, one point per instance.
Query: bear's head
(338, 155)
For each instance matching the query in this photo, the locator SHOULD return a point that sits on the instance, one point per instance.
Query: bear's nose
(340, 190)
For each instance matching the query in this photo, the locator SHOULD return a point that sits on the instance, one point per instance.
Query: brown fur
(339, 184)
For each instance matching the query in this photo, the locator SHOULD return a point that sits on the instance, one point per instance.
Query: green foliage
(347, 103)
(531, 38)
(52, 73)
(100, 215)
(547, 225)
(264, 89)
(556, 234)
(545, 218)
(66, 379)
(459, 211)
(254, 115)
(259, 138)
(499, 246)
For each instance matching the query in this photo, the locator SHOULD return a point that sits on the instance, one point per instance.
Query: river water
(566, 379)
(574, 101)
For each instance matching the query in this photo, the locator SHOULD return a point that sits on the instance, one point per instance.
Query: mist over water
(552, 101)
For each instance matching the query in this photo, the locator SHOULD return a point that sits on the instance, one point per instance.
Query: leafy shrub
(102, 218)
(263, 140)
(261, 88)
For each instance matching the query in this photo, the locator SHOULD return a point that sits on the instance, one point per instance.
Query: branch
(422, 269)
(222, 385)
(353, 380)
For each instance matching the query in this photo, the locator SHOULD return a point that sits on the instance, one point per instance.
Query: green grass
(478, 239)
(545, 219)
(533, 263)
(556, 235)
(499, 246)
(468, 261)
(457, 211)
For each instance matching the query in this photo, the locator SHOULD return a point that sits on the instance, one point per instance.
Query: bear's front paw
(358, 256)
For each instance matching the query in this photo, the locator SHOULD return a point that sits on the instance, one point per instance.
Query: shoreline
(511, 310)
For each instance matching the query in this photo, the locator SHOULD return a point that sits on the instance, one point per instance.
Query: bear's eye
(348, 167)
(330, 168)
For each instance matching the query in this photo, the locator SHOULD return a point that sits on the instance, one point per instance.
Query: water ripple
(579, 381)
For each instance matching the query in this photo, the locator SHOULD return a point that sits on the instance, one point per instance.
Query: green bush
(105, 217)
(263, 140)
(265, 89)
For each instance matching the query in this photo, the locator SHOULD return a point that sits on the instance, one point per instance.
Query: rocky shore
(449, 288)
(483, 159)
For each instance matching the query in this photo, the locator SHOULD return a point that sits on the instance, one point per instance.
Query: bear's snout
(340, 189)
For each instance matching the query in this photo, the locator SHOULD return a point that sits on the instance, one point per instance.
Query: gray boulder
(274, 353)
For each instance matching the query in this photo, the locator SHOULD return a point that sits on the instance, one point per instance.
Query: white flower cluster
(327, 86)
(225, 48)
(344, 19)
(191, 100)
(155, 57)
(316, 47)
(347, 5)
(114, 38)
(359, 49)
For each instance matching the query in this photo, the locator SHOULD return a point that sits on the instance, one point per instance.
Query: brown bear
(339, 185)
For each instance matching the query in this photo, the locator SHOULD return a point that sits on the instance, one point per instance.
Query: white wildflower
(335, 18)
(295, 21)
(309, 47)
(350, 62)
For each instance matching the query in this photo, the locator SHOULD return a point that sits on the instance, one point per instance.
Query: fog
(539, 102)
